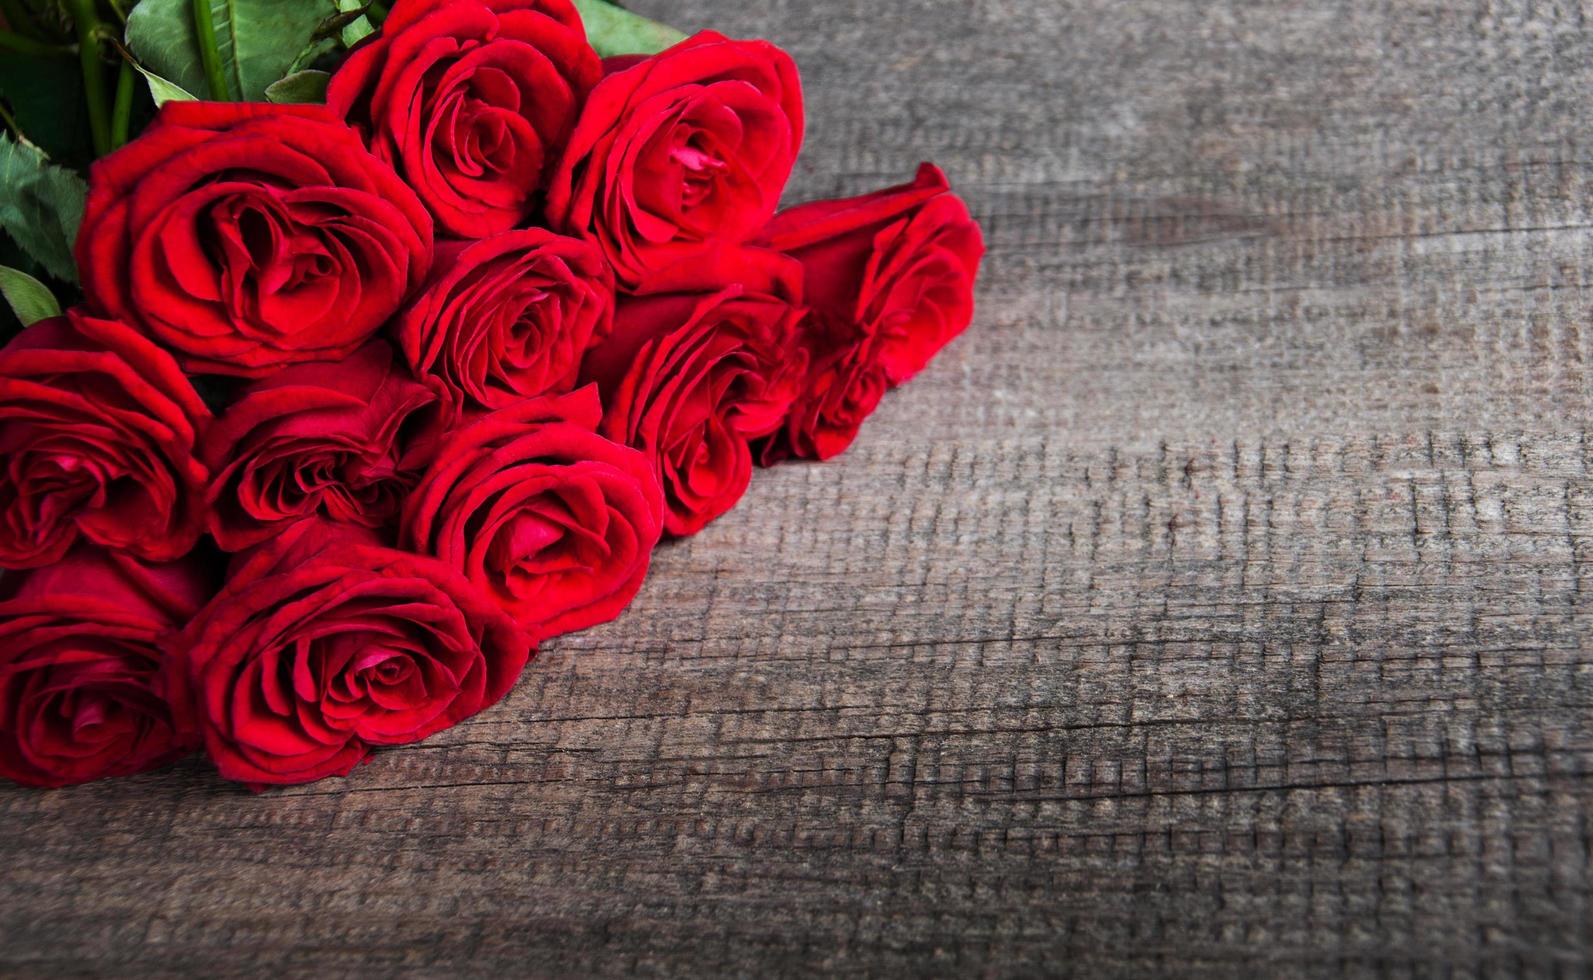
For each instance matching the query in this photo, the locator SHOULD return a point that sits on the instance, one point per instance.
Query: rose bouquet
(395, 354)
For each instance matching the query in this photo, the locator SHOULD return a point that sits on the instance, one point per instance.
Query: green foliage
(40, 206)
(164, 90)
(30, 299)
(259, 41)
(356, 28)
(301, 86)
(613, 30)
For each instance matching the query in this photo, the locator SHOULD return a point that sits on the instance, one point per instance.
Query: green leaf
(11, 254)
(30, 299)
(40, 206)
(164, 90)
(301, 86)
(613, 30)
(360, 27)
(258, 41)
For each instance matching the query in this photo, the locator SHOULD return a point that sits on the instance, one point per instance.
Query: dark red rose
(509, 317)
(844, 383)
(247, 236)
(471, 100)
(899, 262)
(83, 687)
(324, 645)
(692, 380)
(680, 159)
(343, 440)
(97, 432)
(554, 521)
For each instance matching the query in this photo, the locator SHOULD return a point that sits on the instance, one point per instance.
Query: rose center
(264, 253)
(545, 540)
(54, 483)
(529, 542)
(482, 142)
(367, 671)
(525, 336)
(384, 668)
(699, 169)
(88, 716)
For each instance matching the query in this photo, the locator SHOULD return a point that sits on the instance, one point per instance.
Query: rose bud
(680, 159)
(509, 317)
(692, 380)
(247, 236)
(842, 387)
(324, 645)
(899, 262)
(343, 440)
(552, 520)
(83, 684)
(97, 430)
(471, 101)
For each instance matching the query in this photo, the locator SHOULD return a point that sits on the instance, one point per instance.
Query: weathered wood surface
(1221, 603)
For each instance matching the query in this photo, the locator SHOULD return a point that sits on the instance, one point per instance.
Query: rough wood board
(1219, 605)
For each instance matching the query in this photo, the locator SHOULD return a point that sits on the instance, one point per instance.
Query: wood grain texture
(1219, 605)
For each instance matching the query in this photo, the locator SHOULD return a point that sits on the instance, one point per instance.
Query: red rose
(97, 430)
(323, 645)
(247, 236)
(471, 100)
(680, 159)
(844, 383)
(83, 690)
(899, 262)
(334, 439)
(508, 317)
(554, 521)
(691, 380)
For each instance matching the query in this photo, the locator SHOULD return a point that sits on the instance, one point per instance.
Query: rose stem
(209, 54)
(123, 108)
(87, 24)
(27, 45)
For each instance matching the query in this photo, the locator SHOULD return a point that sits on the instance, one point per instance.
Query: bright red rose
(471, 100)
(680, 159)
(343, 440)
(844, 383)
(509, 317)
(83, 687)
(323, 645)
(248, 236)
(551, 519)
(97, 432)
(899, 262)
(691, 380)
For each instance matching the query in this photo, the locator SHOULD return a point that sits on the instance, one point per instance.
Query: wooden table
(1219, 605)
